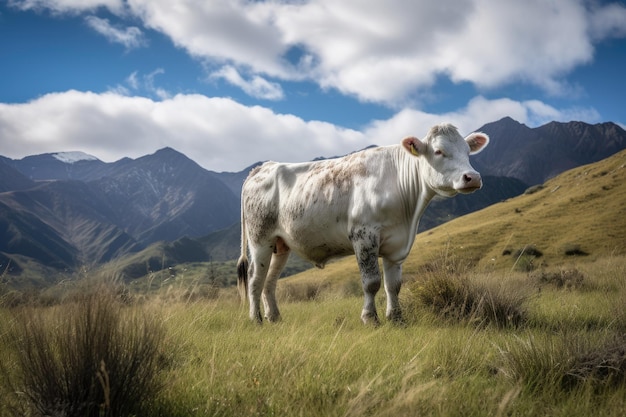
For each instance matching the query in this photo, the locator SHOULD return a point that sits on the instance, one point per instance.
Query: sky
(232, 82)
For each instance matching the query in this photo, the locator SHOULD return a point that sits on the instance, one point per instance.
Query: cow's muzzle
(470, 182)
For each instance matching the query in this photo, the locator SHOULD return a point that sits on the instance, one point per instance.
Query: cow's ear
(477, 141)
(414, 146)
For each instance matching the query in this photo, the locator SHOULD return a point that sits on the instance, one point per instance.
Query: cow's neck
(415, 193)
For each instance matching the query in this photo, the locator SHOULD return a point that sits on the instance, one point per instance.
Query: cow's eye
(439, 152)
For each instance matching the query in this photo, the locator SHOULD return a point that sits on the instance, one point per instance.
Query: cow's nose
(472, 181)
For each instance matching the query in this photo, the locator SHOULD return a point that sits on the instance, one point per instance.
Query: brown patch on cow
(341, 176)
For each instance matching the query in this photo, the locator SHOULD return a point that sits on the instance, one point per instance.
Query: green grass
(321, 361)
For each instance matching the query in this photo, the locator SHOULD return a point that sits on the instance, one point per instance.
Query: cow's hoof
(274, 318)
(257, 318)
(370, 319)
(396, 318)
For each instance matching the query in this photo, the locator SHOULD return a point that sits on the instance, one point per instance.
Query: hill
(577, 216)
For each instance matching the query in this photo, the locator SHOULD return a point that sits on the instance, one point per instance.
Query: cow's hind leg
(261, 256)
(366, 250)
(277, 264)
(393, 282)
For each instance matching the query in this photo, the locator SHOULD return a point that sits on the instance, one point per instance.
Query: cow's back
(308, 205)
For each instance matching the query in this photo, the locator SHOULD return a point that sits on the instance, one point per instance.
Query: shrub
(525, 258)
(90, 357)
(446, 291)
(565, 278)
(602, 366)
(566, 361)
(572, 249)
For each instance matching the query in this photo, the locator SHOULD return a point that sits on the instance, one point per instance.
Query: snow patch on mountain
(71, 157)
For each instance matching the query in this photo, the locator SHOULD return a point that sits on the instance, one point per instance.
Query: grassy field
(567, 357)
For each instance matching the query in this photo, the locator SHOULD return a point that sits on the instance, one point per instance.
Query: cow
(368, 203)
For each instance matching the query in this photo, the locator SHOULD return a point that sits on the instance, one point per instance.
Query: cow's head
(447, 169)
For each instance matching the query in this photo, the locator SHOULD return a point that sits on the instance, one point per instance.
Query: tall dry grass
(565, 358)
(92, 356)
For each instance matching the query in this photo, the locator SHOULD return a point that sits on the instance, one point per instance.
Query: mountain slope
(25, 234)
(77, 215)
(11, 179)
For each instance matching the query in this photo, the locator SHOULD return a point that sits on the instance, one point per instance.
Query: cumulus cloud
(220, 30)
(131, 37)
(478, 112)
(390, 52)
(68, 6)
(608, 21)
(219, 133)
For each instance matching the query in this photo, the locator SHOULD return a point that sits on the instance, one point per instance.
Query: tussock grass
(446, 289)
(87, 357)
(566, 361)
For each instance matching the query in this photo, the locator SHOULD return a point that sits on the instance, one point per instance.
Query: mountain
(534, 155)
(165, 196)
(61, 166)
(69, 209)
(106, 210)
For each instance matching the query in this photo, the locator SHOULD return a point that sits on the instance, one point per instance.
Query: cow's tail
(242, 263)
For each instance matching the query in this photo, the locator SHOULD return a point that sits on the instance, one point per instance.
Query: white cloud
(256, 87)
(388, 52)
(478, 112)
(608, 21)
(131, 37)
(218, 133)
(68, 6)
(221, 134)
(391, 51)
(220, 30)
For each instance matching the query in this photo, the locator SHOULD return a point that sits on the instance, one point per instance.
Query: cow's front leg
(393, 282)
(366, 250)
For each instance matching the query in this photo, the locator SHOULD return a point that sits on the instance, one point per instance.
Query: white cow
(368, 203)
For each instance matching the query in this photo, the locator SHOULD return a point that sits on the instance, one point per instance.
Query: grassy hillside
(582, 211)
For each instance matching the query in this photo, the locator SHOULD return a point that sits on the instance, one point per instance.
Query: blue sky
(230, 83)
